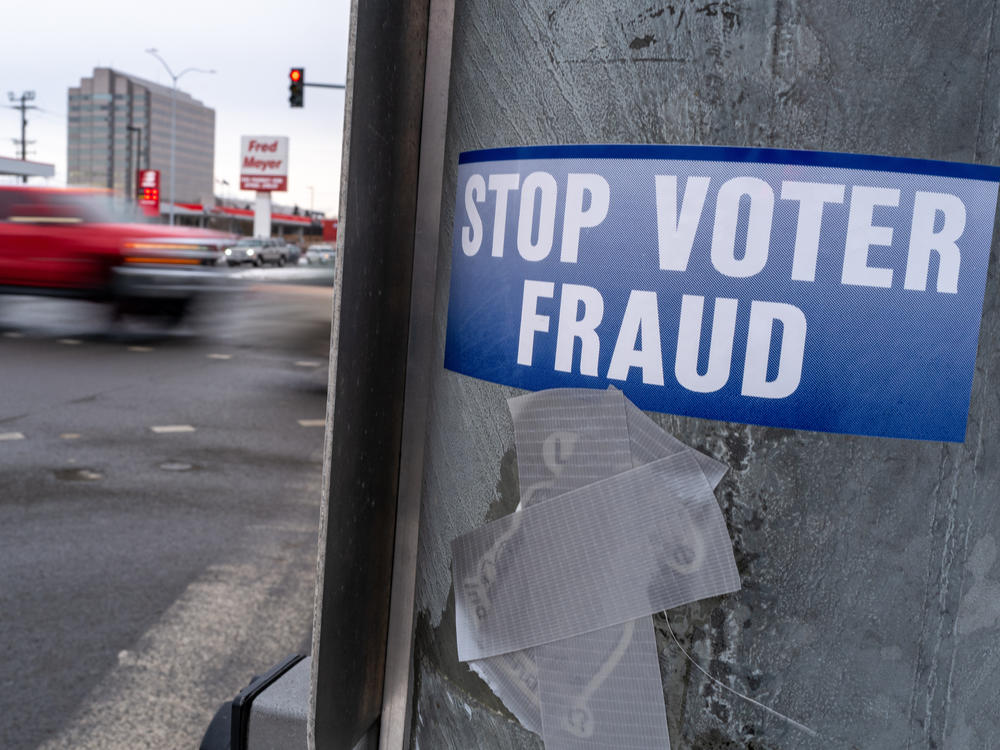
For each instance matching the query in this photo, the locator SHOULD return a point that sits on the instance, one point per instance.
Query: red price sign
(148, 193)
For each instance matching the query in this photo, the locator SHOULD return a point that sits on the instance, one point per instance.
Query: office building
(119, 123)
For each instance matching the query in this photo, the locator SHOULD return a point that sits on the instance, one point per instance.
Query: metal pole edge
(335, 322)
(398, 686)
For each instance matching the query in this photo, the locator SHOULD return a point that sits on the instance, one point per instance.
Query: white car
(320, 254)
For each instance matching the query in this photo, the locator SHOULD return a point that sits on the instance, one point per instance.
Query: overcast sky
(48, 45)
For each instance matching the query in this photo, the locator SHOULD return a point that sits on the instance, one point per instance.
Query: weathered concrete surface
(871, 591)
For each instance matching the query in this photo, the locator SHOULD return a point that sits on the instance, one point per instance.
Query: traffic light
(296, 86)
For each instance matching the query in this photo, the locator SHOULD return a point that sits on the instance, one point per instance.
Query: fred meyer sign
(809, 290)
(264, 162)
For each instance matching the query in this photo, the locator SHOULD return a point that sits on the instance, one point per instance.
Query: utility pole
(26, 96)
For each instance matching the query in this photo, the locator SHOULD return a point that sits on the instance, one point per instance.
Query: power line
(50, 112)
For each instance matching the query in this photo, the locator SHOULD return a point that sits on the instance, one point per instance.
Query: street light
(173, 117)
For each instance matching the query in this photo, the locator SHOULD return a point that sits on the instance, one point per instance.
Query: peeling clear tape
(598, 689)
(567, 439)
(648, 442)
(591, 558)
(601, 688)
(556, 452)
(514, 679)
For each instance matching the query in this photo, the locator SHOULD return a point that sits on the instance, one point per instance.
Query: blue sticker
(808, 290)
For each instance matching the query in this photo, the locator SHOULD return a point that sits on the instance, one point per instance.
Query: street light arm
(154, 53)
(193, 70)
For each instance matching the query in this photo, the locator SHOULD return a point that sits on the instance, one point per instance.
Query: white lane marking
(312, 422)
(13, 335)
(70, 342)
(11, 436)
(167, 428)
(140, 348)
(294, 290)
(220, 356)
(213, 631)
(70, 435)
(307, 363)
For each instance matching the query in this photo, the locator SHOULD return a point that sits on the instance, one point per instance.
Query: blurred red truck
(69, 242)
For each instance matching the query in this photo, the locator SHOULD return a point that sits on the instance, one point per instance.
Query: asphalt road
(159, 501)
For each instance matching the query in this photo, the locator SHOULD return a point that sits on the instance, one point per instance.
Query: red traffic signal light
(296, 88)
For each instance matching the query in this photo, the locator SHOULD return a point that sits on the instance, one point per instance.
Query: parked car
(294, 253)
(320, 254)
(70, 242)
(257, 251)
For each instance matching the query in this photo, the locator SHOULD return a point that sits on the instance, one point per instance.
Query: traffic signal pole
(297, 84)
